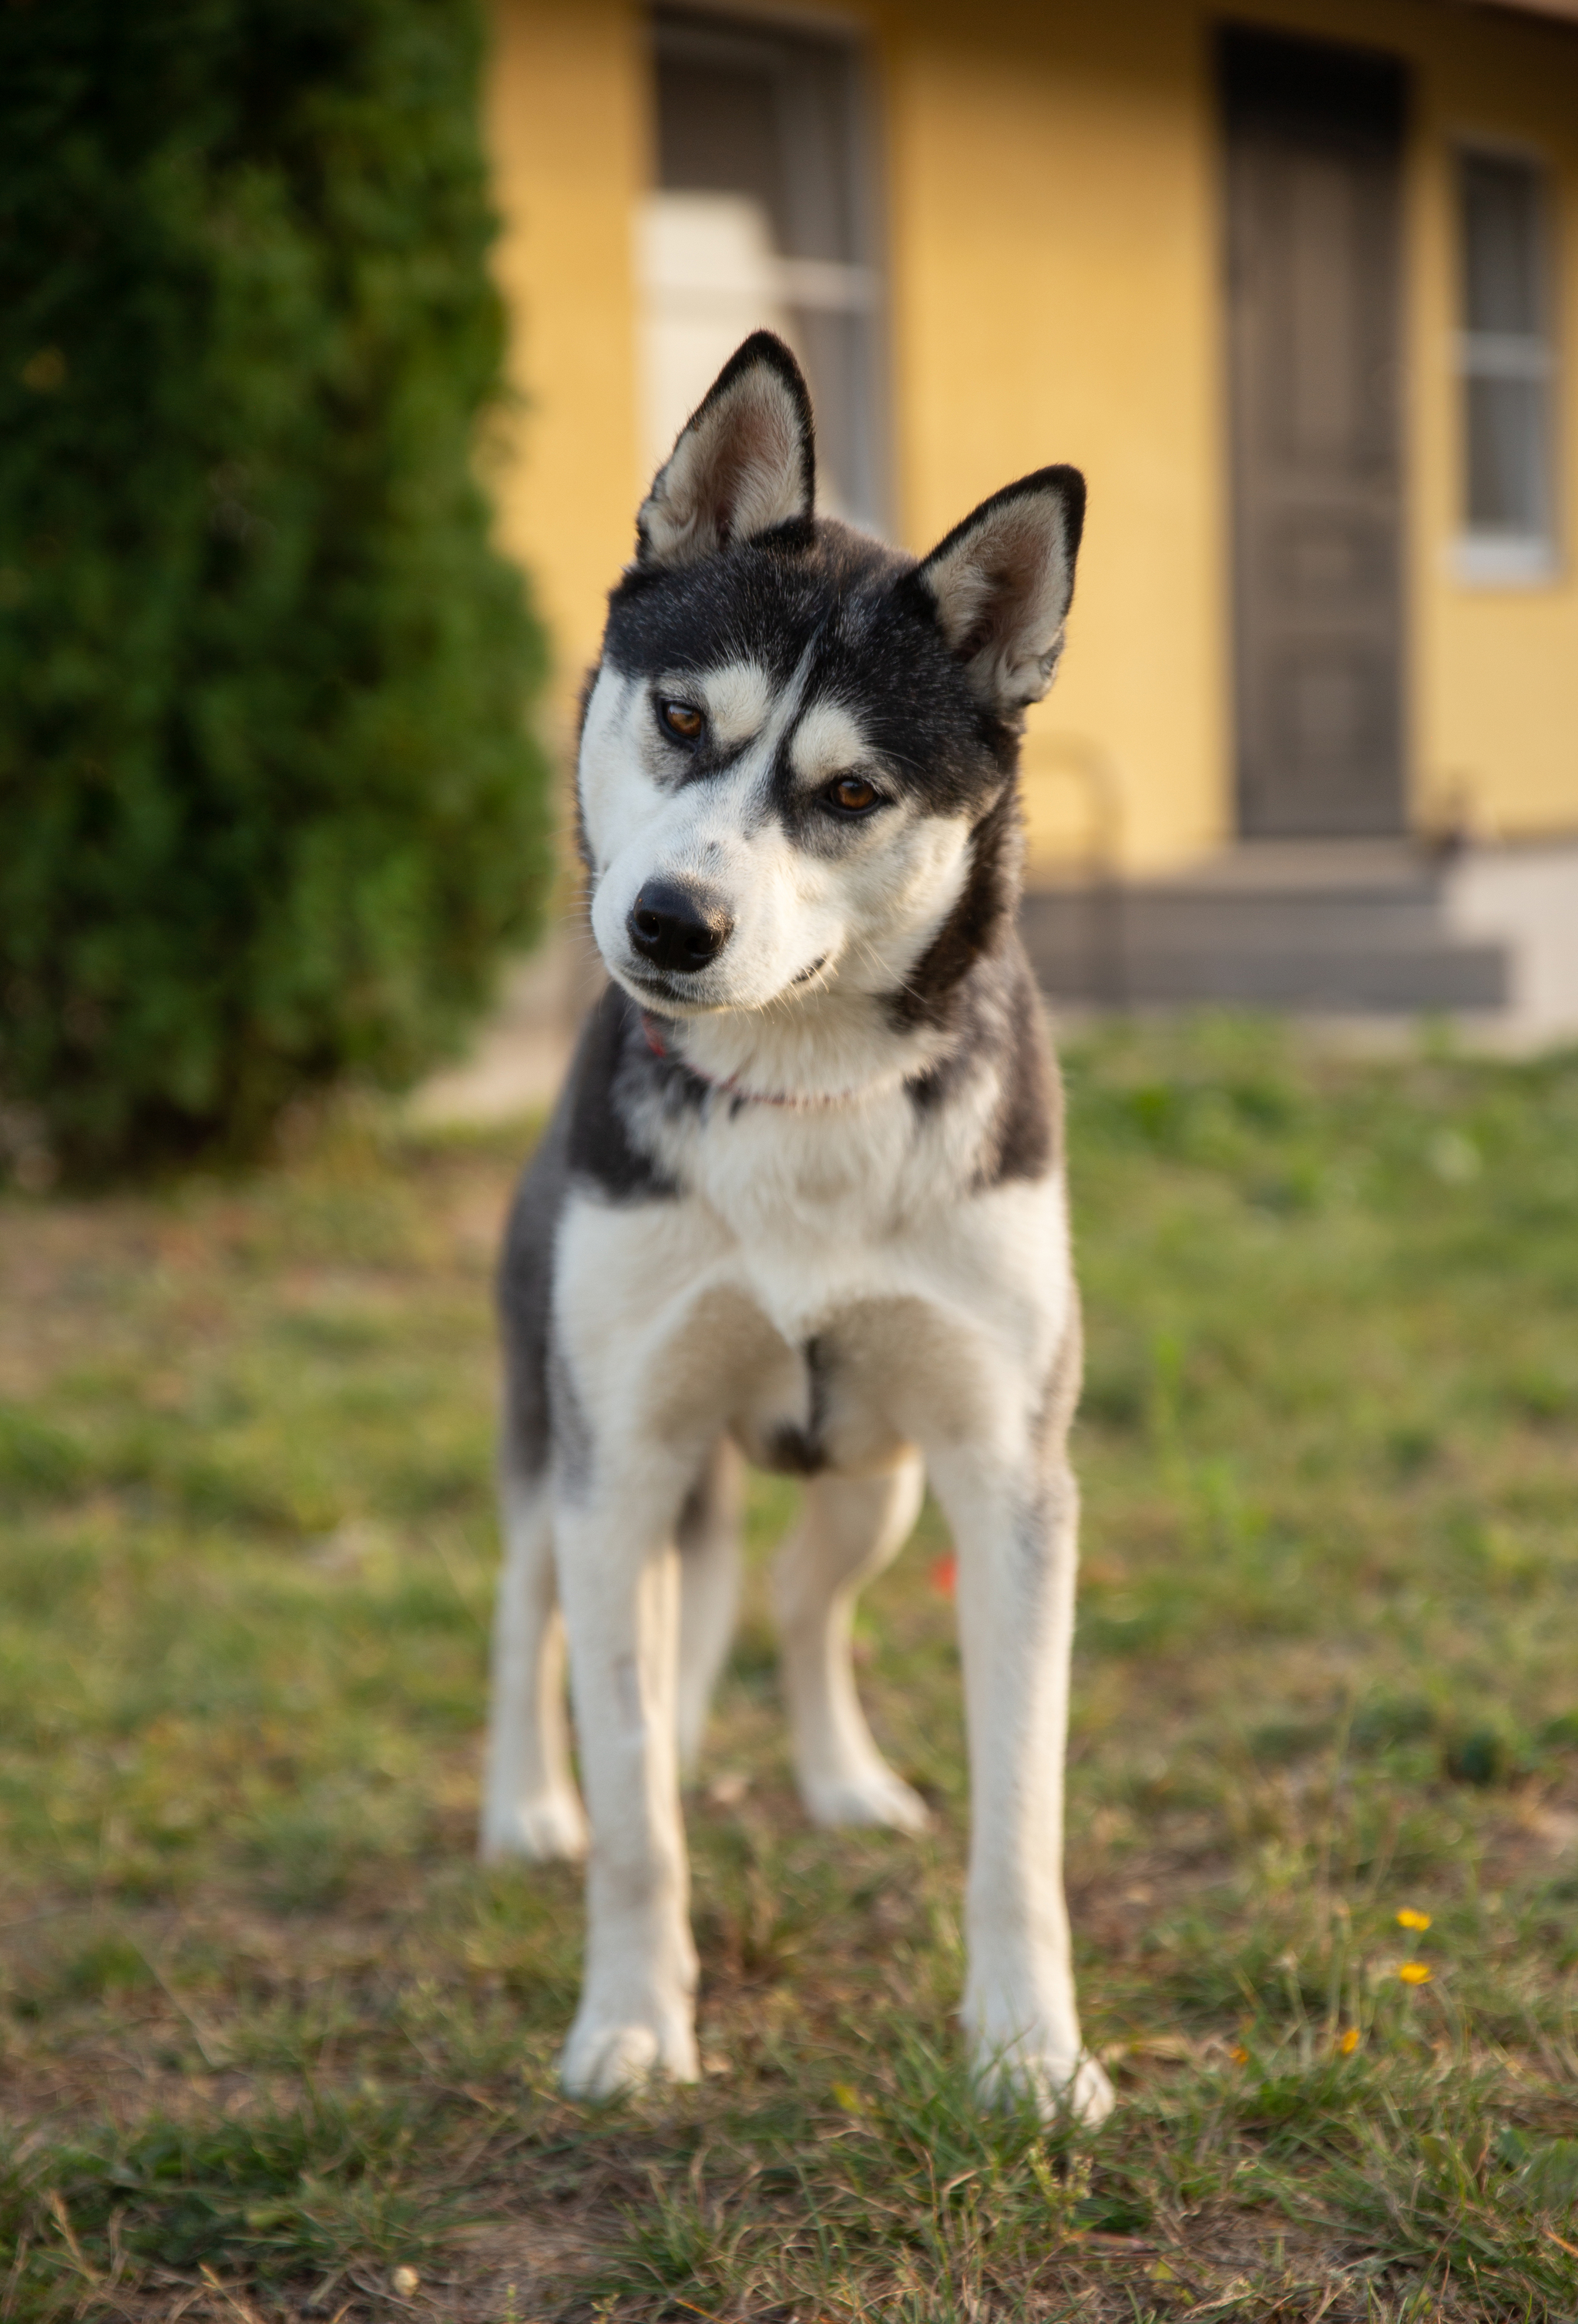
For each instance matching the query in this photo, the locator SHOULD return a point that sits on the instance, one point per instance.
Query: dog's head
(799, 747)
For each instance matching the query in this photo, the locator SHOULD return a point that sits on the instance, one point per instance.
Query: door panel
(1314, 156)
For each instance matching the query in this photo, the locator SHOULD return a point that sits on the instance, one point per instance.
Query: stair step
(1312, 920)
(1319, 945)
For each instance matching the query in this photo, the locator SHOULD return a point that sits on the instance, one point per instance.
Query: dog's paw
(1057, 2085)
(602, 2060)
(866, 1795)
(548, 1829)
(1090, 2096)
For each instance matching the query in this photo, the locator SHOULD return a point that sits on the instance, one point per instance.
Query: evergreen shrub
(269, 801)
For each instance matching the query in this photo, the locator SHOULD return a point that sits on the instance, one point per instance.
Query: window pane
(757, 153)
(1500, 242)
(1506, 448)
(718, 132)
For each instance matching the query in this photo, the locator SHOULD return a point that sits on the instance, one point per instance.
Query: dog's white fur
(828, 1217)
(865, 917)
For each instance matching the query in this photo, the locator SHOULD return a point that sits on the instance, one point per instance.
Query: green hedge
(269, 805)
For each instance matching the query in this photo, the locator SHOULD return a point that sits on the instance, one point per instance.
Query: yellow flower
(1408, 1919)
(1415, 1972)
(1349, 2042)
(1238, 2054)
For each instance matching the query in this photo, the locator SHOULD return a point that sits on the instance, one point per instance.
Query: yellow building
(1291, 283)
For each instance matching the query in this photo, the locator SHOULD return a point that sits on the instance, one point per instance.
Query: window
(760, 216)
(1507, 363)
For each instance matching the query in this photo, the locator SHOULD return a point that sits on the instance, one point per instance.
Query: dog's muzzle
(678, 928)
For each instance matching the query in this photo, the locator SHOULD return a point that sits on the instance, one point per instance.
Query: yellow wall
(1496, 669)
(1051, 188)
(1052, 252)
(568, 130)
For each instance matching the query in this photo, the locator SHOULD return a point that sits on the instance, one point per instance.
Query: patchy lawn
(270, 2044)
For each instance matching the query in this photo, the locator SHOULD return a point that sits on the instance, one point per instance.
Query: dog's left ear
(745, 461)
(1000, 585)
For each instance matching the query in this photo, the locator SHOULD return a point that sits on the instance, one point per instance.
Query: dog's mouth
(680, 996)
(645, 980)
(676, 995)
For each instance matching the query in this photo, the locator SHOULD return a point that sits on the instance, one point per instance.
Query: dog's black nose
(676, 928)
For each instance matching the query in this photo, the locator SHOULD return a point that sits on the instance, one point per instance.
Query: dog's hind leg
(850, 1529)
(530, 1803)
(530, 1807)
(709, 1537)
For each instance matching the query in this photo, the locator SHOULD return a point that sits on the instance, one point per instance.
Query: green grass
(268, 2036)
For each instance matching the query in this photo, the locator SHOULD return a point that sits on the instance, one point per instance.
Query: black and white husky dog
(802, 1198)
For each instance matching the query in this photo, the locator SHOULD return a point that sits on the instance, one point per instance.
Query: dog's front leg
(1015, 1528)
(619, 1585)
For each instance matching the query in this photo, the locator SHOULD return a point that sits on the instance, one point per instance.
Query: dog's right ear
(745, 461)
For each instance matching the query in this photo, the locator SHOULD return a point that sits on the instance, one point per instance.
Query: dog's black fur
(864, 616)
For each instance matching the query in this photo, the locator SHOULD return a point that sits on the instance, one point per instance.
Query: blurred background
(1288, 289)
(340, 350)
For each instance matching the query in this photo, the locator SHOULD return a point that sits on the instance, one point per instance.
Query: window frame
(1486, 556)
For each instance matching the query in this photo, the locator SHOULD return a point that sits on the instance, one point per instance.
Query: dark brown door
(1313, 167)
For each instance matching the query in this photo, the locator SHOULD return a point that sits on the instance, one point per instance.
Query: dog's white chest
(815, 1193)
(831, 1320)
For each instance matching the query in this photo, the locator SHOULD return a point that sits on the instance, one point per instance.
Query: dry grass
(267, 2036)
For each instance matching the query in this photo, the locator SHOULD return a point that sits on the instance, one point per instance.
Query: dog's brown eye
(853, 795)
(683, 719)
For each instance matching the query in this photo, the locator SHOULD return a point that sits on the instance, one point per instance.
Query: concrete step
(1335, 930)
(1320, 923)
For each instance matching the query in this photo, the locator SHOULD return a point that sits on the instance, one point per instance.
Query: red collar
(651, 1028)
